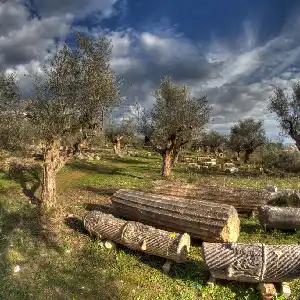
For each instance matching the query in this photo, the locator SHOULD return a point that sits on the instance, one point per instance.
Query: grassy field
(72, 265)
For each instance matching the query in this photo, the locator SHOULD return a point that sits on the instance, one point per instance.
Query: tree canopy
(213, 140)
(77, 86)
(287, 110)
(175, 119)
(117, 131)
(247, 136)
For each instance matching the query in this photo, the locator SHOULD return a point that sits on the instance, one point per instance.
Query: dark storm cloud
(76, 7)
(237, 78)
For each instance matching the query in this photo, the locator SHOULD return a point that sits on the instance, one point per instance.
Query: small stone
(17, 269)
(167, 266)
(271, 188)
(211, 281)
(267, 290)
(285, 290)
(110, 245)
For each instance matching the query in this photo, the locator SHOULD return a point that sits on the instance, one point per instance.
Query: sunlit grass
(75, 266)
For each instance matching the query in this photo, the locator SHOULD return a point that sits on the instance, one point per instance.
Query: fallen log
(201, 220)
(252, 263)
(137, 236)
(245, 200)
(279, 217)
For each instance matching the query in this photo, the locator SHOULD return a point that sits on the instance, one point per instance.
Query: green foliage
(247, 136)
(176, 117)
(77, 86)
(76, 89)
(212, 139)
(287, 110)
(275, 158)
(124, 129)
(15, 130)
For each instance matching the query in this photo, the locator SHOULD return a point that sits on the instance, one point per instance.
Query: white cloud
(238, 76)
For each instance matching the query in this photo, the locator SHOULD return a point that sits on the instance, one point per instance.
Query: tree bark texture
(54, 160)
(252, 262)
(279, 217)
(117, 144)
(297, 143)
(167, 163)
(200, 219)
(245, 200)
(50, 168)
(147, 140)
(247, 156)
(137, 236)
(175, 157)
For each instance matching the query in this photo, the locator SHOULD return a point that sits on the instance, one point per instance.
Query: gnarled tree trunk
(175, 156)
(117, 144)
(247, 156)
(147, 140)
(167, 163)
(297, 140)
(53, 162)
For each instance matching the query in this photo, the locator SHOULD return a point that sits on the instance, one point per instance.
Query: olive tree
(247, 136)
(234, 143)
(75, 87)
(287, 110)
(116, 132)
(15, 130)
(143, 122)
(213, 140)
(175, 119)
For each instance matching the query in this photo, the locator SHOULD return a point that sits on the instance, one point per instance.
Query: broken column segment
(203, 220)
(137, 236)
(252, 262)
(245, 200)
(279, 217)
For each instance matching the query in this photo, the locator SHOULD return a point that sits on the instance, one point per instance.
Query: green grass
(72, 265)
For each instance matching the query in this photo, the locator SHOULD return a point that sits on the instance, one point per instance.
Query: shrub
(275, 158)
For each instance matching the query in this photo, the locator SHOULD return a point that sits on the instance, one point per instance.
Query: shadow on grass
(133, 160)
(100, 207)
(191, 273)
(181, 169)
(189, 270)
(76, 224)
(24, 225)
(93, 168)
(250, 228)
(101, 191)
(47, 271)
(111, 170)
(98, 168)
(26, 178)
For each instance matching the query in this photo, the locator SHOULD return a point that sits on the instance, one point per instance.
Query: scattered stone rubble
(211, 163)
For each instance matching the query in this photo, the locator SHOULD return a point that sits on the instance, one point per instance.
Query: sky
(235, 52)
